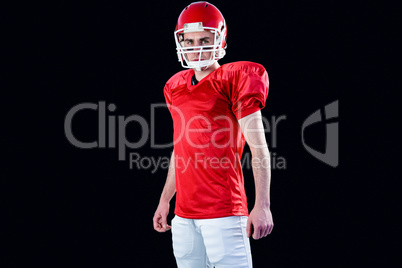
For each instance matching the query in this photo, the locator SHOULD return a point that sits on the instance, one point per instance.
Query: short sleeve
(176, 81)
(251, 91)
(168, 97)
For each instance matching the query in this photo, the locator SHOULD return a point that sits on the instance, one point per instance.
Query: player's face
(204, 38)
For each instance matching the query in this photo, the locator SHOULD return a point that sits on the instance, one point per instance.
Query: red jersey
(208, 142)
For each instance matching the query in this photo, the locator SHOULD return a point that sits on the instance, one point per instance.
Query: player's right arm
(161, 213)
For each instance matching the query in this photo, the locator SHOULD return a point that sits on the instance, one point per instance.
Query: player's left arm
(260, 217)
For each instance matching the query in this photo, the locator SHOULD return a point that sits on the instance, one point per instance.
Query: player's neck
(199, 75)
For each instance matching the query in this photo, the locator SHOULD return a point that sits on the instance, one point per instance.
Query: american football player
(215, 111)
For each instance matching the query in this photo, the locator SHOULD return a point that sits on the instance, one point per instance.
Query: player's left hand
(260, 219)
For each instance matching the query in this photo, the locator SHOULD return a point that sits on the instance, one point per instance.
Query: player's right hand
(160, 218)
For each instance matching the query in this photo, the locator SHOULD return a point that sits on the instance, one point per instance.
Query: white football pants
(219, 242)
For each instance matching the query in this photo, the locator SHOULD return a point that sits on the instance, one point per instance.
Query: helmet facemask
(216, 49)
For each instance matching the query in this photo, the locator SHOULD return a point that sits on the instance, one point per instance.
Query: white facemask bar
(182, 53)
(217, 52)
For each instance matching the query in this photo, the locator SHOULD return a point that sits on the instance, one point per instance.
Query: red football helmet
(198, 17)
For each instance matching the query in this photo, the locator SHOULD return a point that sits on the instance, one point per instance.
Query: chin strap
(199, 69)
(196, 66)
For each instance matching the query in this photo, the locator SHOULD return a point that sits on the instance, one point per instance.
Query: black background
(71, 207)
